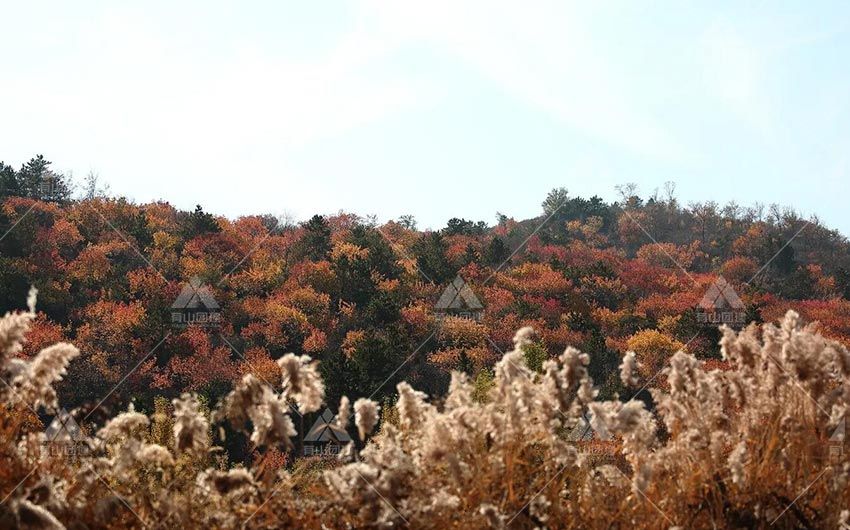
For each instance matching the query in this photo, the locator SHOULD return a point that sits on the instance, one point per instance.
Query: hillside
(181, 320)
(359, 296)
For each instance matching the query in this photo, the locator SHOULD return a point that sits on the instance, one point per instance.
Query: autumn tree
(653, 349)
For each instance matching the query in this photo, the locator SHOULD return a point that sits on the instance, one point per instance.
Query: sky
(436, 109)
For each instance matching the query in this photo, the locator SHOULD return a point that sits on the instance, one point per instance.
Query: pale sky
(436, 109)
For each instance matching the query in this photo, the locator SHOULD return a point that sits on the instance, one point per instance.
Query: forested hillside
(502, 376)
(359, 295)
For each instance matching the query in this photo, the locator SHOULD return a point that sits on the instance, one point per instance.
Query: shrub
(757, 444)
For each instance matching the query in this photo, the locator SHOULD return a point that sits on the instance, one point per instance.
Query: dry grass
(755, 445)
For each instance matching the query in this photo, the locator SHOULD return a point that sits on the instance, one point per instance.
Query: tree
(670, 194)
(653, 350)
(407, 221)
(92, 187)
(497, 252)
(457, 226)
(430, 253)
(535, 354)
(199, 223)
(115, 339)
(842, 278)
(30, 176)
(36, 181)
(363, 262)
(9, 185)
(628, 194)
(140, 230)
(706, 216)
(316, 242)
(482, 385)
(556, 198)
